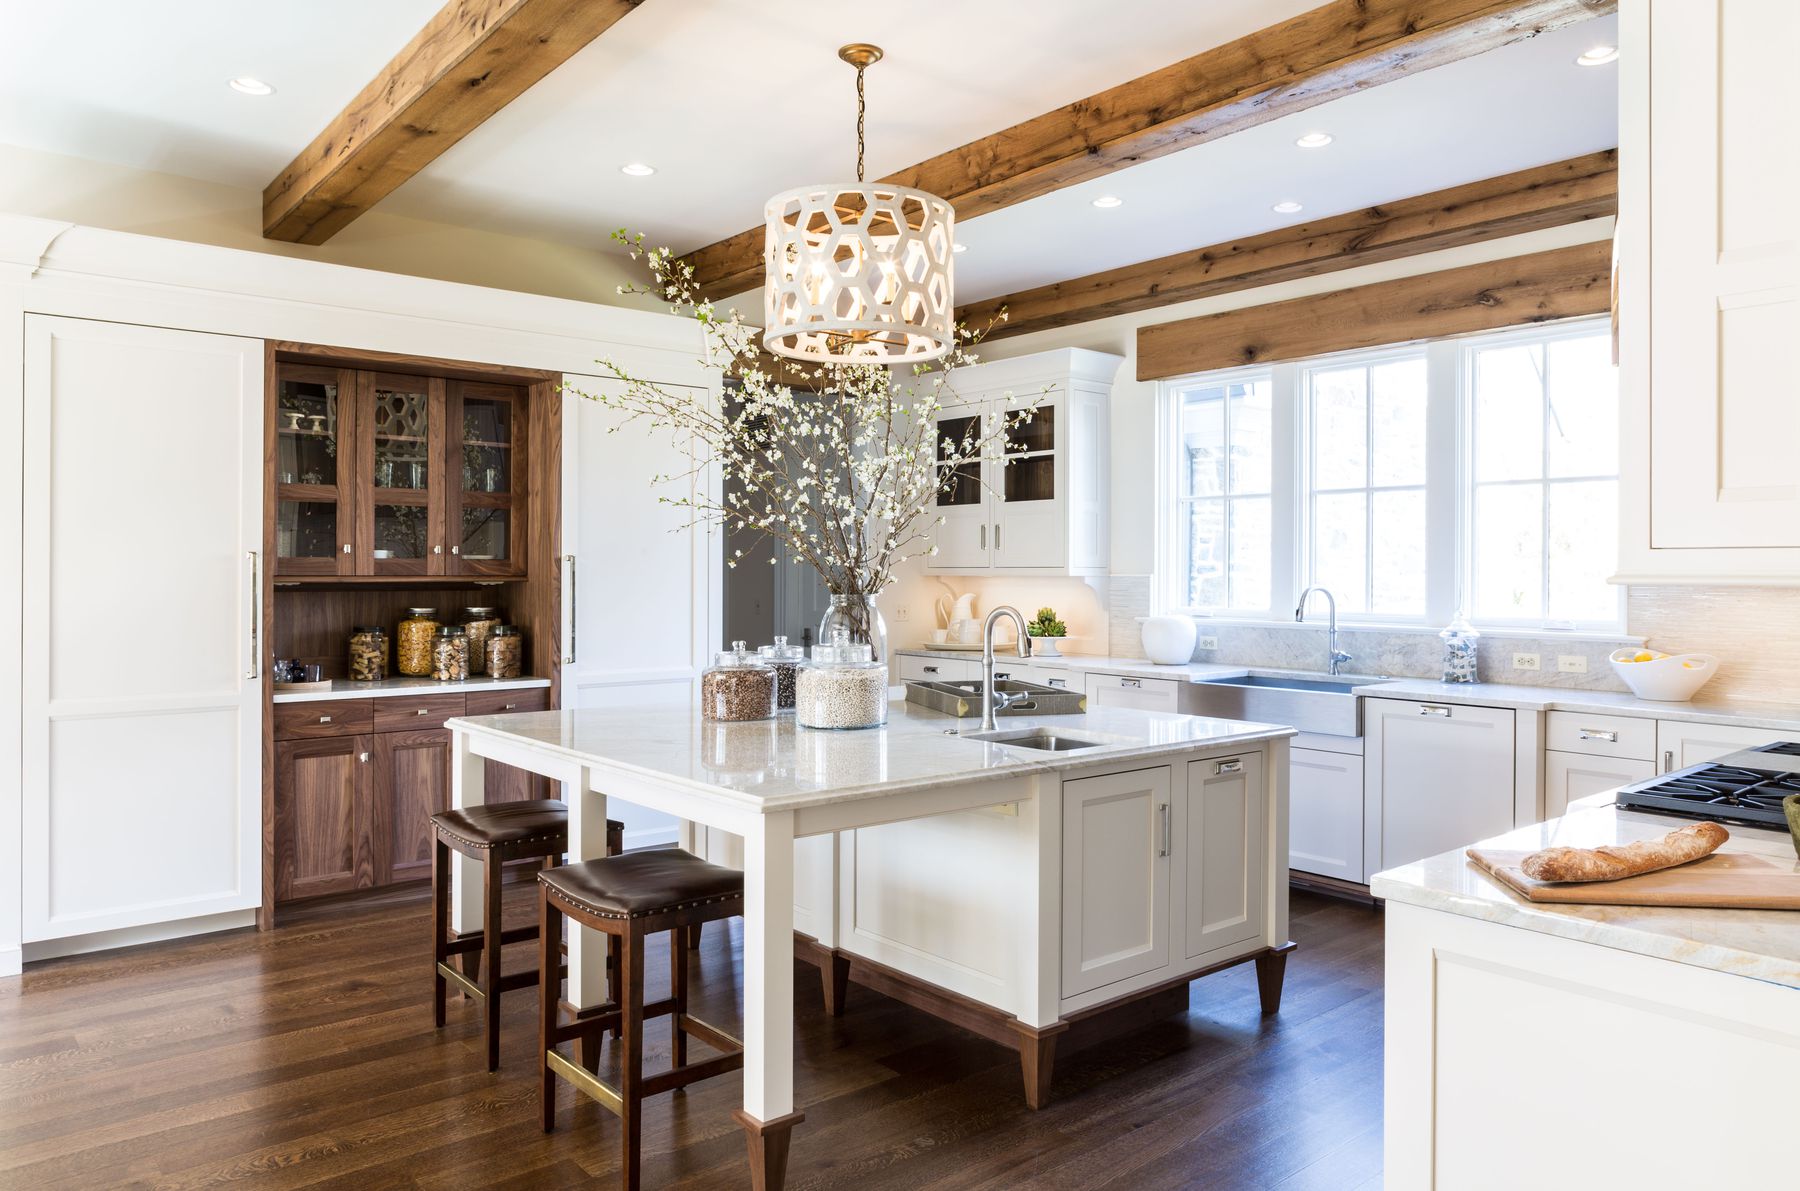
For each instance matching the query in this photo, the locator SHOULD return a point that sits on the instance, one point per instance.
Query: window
(1473, 474)
(1224, 457)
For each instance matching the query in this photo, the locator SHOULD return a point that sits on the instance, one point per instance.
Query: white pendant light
(858, 274)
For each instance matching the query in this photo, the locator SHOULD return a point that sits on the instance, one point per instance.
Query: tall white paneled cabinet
(141, 691)
(1709, 286)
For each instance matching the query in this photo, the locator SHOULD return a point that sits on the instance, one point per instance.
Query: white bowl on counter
(1169, 640)
(1670, 679)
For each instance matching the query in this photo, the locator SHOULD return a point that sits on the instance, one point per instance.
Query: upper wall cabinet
(385, 474)
(1036, 505)
(1710, 290)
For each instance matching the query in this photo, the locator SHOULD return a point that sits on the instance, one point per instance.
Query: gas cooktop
(1745, 787)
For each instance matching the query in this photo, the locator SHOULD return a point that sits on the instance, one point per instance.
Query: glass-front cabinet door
(962, 498)
(402, 482)
(1028, 513)
(487, 478)
(315, 441)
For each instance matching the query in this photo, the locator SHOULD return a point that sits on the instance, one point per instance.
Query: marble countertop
(1762, 944)
(778, 765)
(1741, 712)
(343, 688)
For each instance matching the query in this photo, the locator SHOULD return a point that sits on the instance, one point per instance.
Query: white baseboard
(650, 837)
(132, 936)
(12, 961)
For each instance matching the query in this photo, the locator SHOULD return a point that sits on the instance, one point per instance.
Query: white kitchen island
(1586, 1046)
(1017, 892)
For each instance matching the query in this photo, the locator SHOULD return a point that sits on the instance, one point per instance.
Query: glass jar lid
(844, 652)
(739, 656)
(504, 630)
(781, 651)
(451, 630)
(482, 613)
(427, 613)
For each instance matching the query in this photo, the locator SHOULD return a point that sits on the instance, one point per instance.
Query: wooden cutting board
(1724, 880)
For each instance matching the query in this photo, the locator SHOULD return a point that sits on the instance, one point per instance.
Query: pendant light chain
(861, 108)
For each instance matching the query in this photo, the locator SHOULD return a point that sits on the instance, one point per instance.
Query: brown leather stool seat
(629, 898)
(493, 833)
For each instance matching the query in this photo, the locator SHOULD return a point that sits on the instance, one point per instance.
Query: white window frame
(1448, 486)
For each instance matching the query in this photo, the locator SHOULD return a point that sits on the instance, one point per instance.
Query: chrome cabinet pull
(999, 674)
(996, 535)
(1061, 682)
(984, 535)
(456, 549)
(363, 757)
(423, 711)
(1433, 709)
(931, 669)
(324, 719)
(1232, 766)
(1610, 737)
(1668, 760)
(508, 706)
(569, 657)
(255, 620)
(346, 547)
(1133, 683)
(1162, 830)
(437, 549)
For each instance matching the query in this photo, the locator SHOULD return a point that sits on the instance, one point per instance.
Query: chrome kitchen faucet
(1335, 656)
(990, 698)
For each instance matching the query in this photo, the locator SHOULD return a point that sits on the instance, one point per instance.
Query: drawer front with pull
(1146, 694)
(320, 718)
(408, 714)
(918, 669)
(1600, 735)
(508, 702)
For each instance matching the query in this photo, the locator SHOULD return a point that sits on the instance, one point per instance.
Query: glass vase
(861, 619)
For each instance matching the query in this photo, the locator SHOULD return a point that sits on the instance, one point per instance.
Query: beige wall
(99, 194)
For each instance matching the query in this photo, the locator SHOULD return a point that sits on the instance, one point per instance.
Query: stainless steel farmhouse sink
(1311, 704)
(1050, 740)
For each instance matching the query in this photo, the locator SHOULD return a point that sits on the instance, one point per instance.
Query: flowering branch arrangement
(844, 473)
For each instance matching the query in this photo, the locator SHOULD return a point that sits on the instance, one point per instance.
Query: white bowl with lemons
(1663, 677)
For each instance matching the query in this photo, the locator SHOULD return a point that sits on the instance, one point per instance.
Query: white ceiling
(732, 100)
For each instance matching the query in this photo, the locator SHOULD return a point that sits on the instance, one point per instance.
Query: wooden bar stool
(493, 833)
(630, 898)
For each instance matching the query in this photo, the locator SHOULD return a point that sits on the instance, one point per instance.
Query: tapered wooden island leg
(768, 1142)
(1271, 970)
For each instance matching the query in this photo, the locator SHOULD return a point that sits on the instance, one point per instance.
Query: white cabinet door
(1435, 777)
(1116, 844)
(1680, 745)
(143, 495)
(1222, 852)
(1724, 274)
(640, 594)
(1146, 694)
(1572, 776)
(1325, 814)
(963, 502)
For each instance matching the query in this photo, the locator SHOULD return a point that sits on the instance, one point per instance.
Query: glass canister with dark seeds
(450, 654)
(786, 661)
(505, 652)
(478, 623)
(412, 647)
(737, 686)
(368, 653)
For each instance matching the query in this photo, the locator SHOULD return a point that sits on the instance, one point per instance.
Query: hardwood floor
(306, 1057)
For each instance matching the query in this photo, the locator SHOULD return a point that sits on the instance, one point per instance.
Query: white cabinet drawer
(1569, 777)
(1680, 745)
(1600, 735)
(1145, 694)
(917, 669)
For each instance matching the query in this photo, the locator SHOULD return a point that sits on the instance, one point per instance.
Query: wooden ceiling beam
(469, 61)
(1571, 191)
(1329, 52)
(1540, 287)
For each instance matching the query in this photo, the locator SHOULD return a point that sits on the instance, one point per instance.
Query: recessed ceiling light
(1285, 207)
(1109, 200)
(959, 248)
(246, 85)
(1314, 140)
(637, 169)
(1600, 55)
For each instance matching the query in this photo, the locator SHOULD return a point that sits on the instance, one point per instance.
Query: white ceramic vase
(1169, 640)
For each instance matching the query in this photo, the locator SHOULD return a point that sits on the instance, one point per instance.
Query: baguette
(1625, 860)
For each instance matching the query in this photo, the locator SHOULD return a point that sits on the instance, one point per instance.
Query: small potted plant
(1045, 632)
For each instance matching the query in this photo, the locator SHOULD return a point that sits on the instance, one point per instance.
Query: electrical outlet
(1207, 643)
(1572, 663)
(902, 613)
(1525, 661)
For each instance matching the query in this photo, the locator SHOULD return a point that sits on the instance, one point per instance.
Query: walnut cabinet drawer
(508, 702)
(325, 717)
(401, 713)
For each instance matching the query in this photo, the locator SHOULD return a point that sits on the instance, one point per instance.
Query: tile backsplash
(1415, 653)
